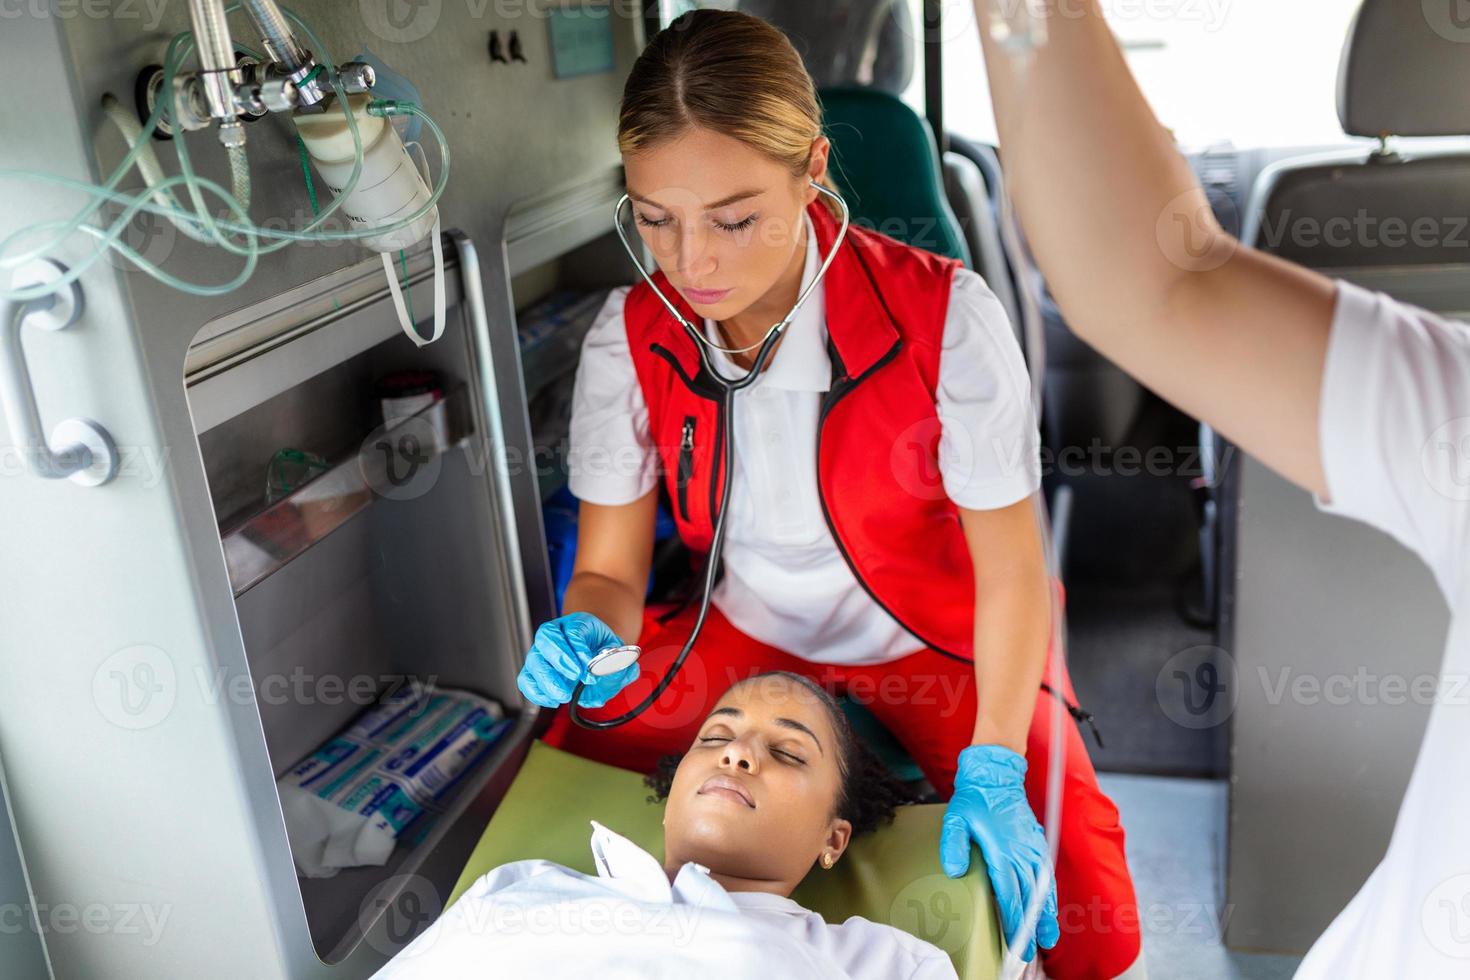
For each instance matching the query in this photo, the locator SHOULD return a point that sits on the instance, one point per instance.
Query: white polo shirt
(785, 582)
(538, 918)
(1395, 436)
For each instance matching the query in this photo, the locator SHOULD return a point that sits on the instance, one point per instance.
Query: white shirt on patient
(538, 918)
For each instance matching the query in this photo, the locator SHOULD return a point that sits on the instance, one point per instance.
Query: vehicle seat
(856, 42)
(886, 164)
(1086, 396)
(965, 186)
(1315, 594)
(868, 45)
(1393, 81)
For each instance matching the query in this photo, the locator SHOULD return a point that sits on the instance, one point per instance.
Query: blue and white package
(347, 802)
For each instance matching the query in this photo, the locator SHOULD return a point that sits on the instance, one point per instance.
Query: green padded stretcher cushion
(891, 875)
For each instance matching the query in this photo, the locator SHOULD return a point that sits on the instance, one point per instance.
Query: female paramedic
(881, 537)
(1359, 398)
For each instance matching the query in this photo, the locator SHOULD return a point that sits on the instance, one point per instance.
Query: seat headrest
(1406, 70)
(854, 42)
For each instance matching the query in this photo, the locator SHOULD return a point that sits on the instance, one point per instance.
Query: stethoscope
(612, 659)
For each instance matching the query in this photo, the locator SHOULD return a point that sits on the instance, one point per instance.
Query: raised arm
(1126, 240)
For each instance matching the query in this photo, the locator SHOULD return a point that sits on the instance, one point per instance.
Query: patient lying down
(774, 786)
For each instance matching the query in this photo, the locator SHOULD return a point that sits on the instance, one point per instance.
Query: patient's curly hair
(869, 794)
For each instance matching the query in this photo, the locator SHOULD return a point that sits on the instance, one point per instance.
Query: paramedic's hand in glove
(558, 659)
(989, 807)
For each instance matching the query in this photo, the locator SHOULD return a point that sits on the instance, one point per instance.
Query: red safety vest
(877, 439)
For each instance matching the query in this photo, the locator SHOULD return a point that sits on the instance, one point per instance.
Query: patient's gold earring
(827, 861)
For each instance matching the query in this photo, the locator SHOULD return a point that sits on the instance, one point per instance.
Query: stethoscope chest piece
(610, 660)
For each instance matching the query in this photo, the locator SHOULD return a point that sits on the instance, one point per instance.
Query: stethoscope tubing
(712, 561)
(703, 342)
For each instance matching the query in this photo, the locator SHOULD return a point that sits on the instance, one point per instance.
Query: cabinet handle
(79, 449)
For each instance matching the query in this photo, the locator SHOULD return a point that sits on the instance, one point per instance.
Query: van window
(1254, 72)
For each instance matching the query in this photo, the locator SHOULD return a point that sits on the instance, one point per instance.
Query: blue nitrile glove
(989, 807)
(558, 659)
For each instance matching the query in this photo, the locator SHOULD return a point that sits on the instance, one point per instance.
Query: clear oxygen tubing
(186, 167)
(1018, 30)
(152, 171)
(178, 50)
(205, 225)
(727, 457)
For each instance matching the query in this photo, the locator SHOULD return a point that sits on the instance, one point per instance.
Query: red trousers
(927, 700)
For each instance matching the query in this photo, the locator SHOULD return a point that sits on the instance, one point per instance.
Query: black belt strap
(1076, 712)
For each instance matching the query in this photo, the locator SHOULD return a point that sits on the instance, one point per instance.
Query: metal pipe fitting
(357, 77)
(290, 58)
(218, 73)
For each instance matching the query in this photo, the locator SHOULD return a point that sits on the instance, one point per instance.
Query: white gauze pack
(347, 802)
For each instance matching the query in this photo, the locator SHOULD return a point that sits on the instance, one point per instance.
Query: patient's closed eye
(783, 753)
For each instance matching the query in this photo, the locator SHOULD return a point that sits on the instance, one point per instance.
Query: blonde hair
(728, 72)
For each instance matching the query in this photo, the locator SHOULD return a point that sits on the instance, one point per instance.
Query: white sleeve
(989, 448)
(1395, 425)
(611, 456)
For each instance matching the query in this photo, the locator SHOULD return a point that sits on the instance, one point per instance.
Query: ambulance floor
(1176, 845)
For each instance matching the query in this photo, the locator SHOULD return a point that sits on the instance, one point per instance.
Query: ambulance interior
(309, 513)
